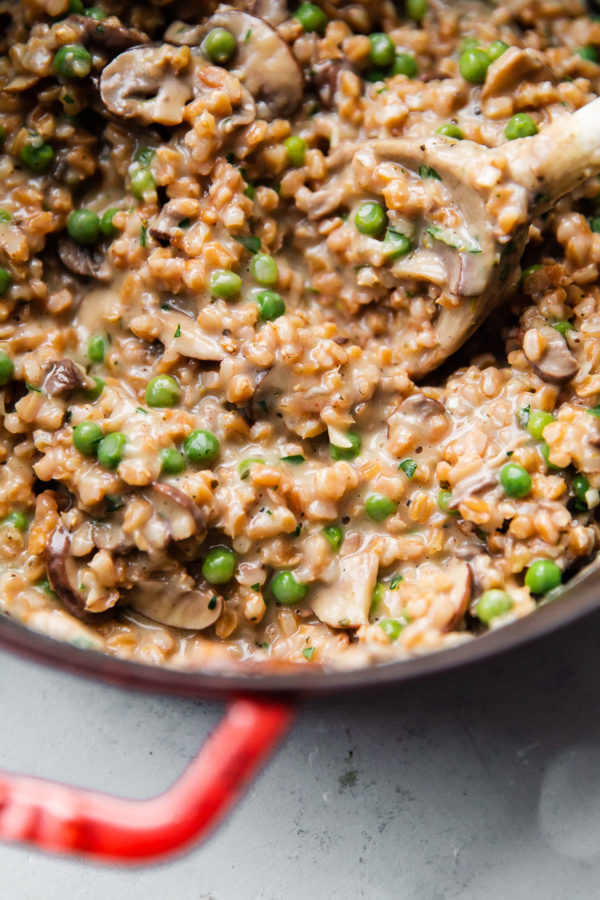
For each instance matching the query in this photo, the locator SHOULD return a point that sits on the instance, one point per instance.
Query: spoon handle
(559, 158)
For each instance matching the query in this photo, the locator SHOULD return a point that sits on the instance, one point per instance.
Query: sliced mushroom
(461, 581)
(148, 84)
(325, 76)
(167, 224)
(174, 599)
(84, 260)
(420, 409)
(63, 574)
(107, 35)
(263, 62)
(64, 377)
(515, 67)
(184, 517)
(272, 11)
(180, 336)
(473, 484)
(556, 364)
(346, 603)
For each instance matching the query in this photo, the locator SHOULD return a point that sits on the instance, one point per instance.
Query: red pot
(261, 703)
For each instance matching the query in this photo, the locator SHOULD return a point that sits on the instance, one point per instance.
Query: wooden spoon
(489, 196)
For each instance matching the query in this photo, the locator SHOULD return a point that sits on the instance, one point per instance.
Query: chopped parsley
(295, 459)
(396, 581)
(177, 331)
(408, 466)
(249, 241)
(429, 172)
(307, 653)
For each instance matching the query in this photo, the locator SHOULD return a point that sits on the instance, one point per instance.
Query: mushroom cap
(556, 365)
(63, 576)
(263, 62)
(151, 83)
(346, 603)
(167, 598)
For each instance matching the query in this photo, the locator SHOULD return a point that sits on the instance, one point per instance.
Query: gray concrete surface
(480, 785)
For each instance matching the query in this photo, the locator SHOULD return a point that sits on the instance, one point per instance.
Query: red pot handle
(67, 819)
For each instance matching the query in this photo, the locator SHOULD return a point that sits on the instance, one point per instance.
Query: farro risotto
(214, 444)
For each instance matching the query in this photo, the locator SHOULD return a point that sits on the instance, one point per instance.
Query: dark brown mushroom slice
(151, 83)
(168, 599)
(107, 35)
(473, 484)
(185, 518)
(64, 377)
(419, 408)
(434, 75)
(324, 77)
(86, 261)
(276, 86)
(62, 574)
(168, 223)
(556, 365)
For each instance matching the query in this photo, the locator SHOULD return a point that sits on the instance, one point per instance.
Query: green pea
(392, 629)
(589, 53)
(219, 565)
(36, 154)
(496, 49)
(334, 536)
(110, 449)
(72, 61)
(93, 393)
(107, 225)
(399, 244)
(537, 421)
(83, 226)
(473, 64)
(270, 305)
(404, 64)
(287, 590)
(17, 520)
(416, 9)
(491, 604)
(444, 498)
(449, 129)
(515, 480)
(171, 461)
(161, 391)
(370, 218)
(595, 224)
(580, 486)
(77, 7)
(311, 17)
(141, 182)
(347, 453)
(7, 368)
(545, 451)
(264, 269)
(377, 596)
(94, 12)
(86, 437)
(520, 126)
(224, 284)
(296, 150)
(97, 348)
(378, 507)
(5, 216)
(543, 575)
(201, 447)
(382, 50)
(219, 46)
(246, 464)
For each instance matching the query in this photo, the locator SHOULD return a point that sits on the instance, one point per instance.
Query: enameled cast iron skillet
(261, 702)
